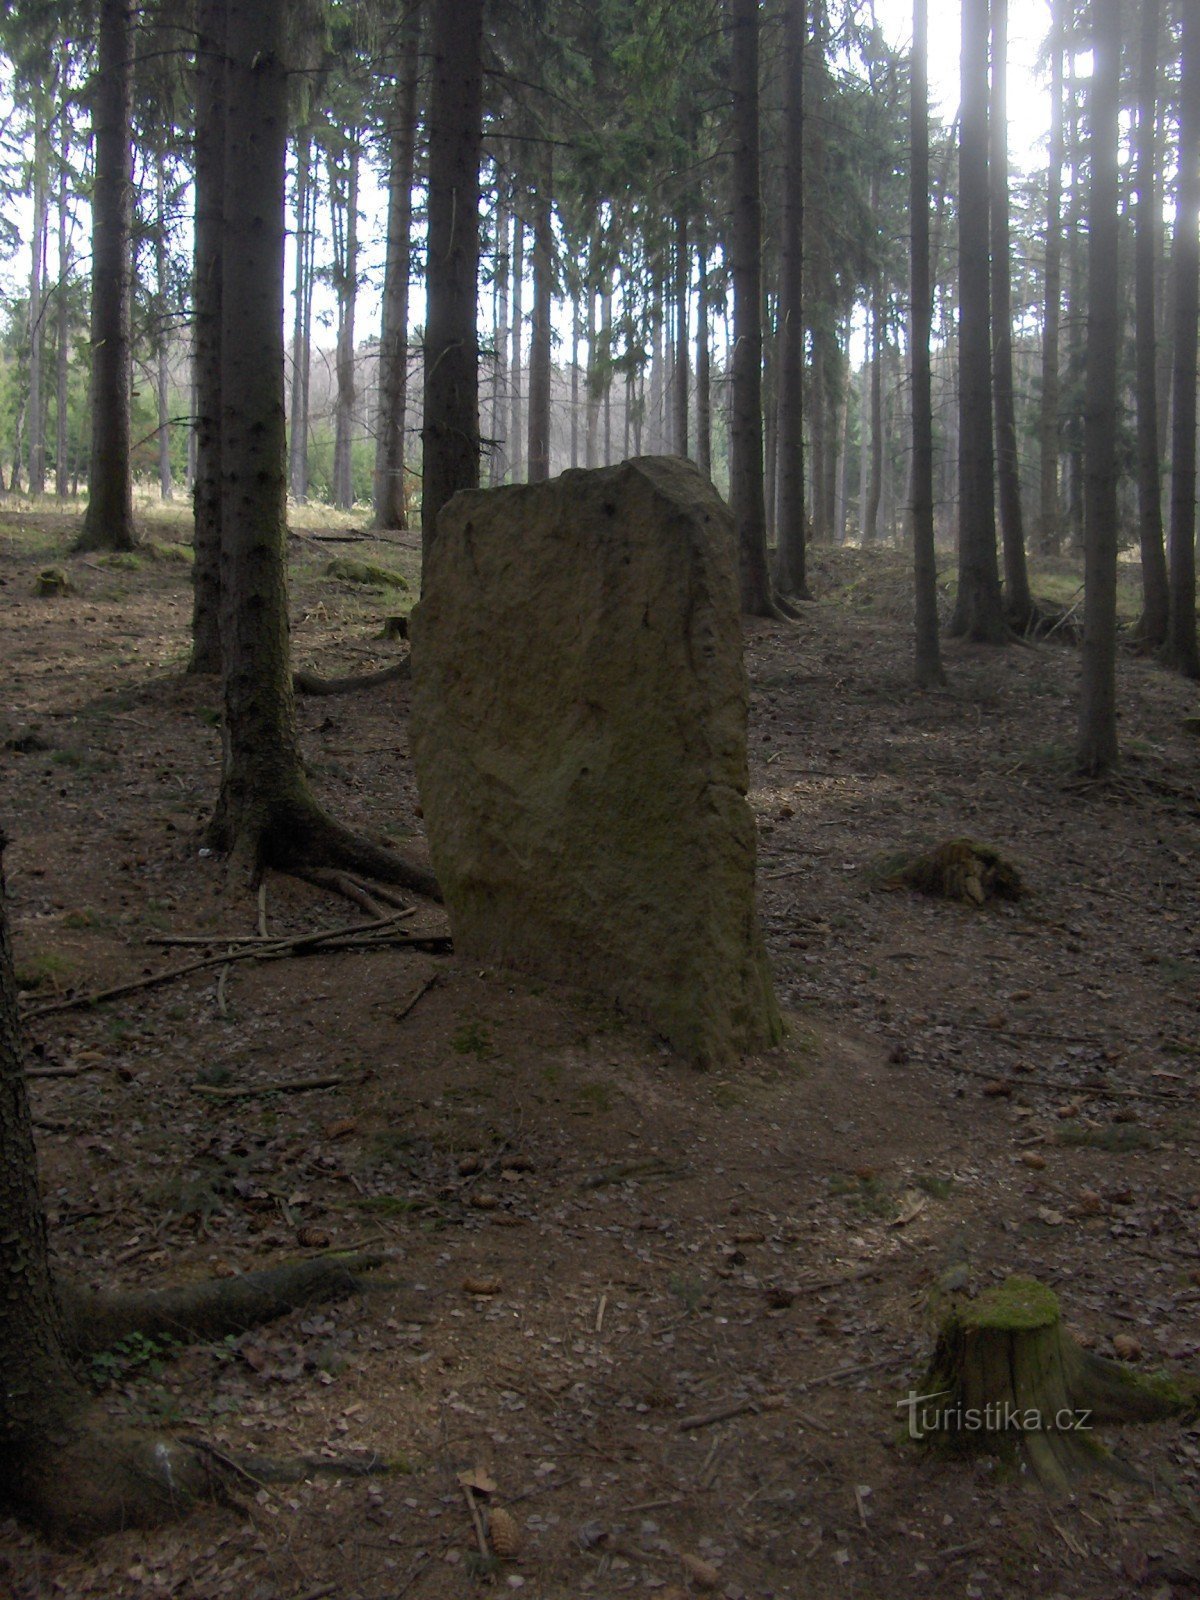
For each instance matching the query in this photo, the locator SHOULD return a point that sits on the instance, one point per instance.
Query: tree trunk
(515, 426)
(391, 506)
(654, 418)
(302, 319)
(451, 429)
(108, 521)
(703, 368)
(1152, 625)
(1097, 745)
(979, 612)
(682, 375)
(576, 333)
(1072, 429)
(746, 419)
(344, 216)
(63, 315)
(592, 440)
(265, 814)
(1181, 646)
(1018, 602)
(606, 370)
(789, 562)
(500, 337)
(875, 479)
(37, 299)
(1049, 514)
(162, 332)
(206, 336)
(539, 345)
(928, 662)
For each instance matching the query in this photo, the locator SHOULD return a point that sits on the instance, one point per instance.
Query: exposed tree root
(210, 1309)
(302, 838)
(1006, 1377)
(89, 1479)
(310, 683)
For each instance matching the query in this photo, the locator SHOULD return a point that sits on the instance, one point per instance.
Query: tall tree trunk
(500, 453)
(683, 277)
(979, 611)
(1152, 625)
(1180, 649)
(746, 420)
(37, 299)
(928, 660)
(515, 369)
(875, 481)
(344, 212)
(302, 318)
(451, 430)
(592, 443)
(63, 310)
(1018, 602)
(1049, 513)
(539, 345)
(576, 333)
(789, 562)
(1097, 745)
(654, 419)
(703, 367)
(206, 337)
(606, 345)
(108, 521)
(390, 500)
(162, 332)
(1076, 299)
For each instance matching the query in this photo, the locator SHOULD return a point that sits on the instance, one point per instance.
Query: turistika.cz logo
(925, 1416)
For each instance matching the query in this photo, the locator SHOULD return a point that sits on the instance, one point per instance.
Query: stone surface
(579, 729)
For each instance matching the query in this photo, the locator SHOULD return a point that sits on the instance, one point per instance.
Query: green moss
(365, 572)
(1018, 1303)
(1121, 1137)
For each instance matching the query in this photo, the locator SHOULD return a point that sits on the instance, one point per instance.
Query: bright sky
(1028, 90)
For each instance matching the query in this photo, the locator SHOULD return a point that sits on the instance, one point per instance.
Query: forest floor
(590, 1249)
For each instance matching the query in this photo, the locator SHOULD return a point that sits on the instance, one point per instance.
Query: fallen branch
(279, 1086)
(418, 994)
(361, 936)
(734, 1408)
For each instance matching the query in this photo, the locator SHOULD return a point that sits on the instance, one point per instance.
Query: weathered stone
(579, 729)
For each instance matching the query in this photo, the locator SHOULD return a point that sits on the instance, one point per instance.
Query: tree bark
(206, 336)
(746, 495)
(790, 573)
(391, 505)
(37, 298)
(162, 332)
(265, 814)
(108, 522)
(302, 319)
(451, 424)
(1096, 751)
(703, 367)
(516, 441)
(875, 395)
(928, 661)
(63, 316)
(539, 345)
(343, 204)
(1049, 514)
(1180, 650)
(1018, 602)
(1152, 625)
(682, 375)
(979, 612)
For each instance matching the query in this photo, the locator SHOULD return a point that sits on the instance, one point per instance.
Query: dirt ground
(668, 1318)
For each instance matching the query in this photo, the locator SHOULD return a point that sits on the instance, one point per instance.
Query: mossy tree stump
(1006, 1377)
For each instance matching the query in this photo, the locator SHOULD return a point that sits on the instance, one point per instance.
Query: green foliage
(137, 1355)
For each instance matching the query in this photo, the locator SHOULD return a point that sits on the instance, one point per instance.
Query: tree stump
(1006, 1377)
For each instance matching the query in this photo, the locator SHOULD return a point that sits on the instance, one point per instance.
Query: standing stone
(579, 730)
